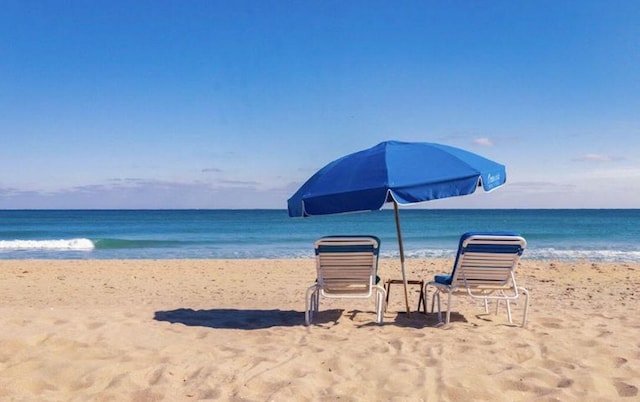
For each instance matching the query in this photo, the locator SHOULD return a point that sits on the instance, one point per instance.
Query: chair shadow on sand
(420, 320)
(416, 320)
(242, 319)
(262, 319)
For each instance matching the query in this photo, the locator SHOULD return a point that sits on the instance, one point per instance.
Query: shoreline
(234, 330)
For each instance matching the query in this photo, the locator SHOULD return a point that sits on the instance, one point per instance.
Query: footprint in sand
(548, 322)
(619, 361)
(156, 376)
(94, 325)
(626, 390)
(565, 383)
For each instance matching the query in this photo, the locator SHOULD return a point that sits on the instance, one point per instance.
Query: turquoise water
(599, 235)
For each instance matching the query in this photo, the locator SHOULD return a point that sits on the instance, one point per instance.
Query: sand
(233, 330)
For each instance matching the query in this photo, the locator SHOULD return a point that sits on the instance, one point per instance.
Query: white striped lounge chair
(484, 269)
(346, 268)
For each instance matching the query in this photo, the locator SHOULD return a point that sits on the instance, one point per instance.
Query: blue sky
(233, 104)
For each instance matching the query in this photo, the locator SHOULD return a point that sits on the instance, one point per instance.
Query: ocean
(554, 234)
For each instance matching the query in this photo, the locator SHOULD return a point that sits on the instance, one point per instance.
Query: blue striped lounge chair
(346, 268)
(484, 269)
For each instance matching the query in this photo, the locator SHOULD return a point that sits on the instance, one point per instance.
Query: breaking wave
(61, 244)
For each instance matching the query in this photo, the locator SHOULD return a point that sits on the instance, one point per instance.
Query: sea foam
(62, 244)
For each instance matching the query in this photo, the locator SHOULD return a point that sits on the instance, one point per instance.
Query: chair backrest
(346, 265)
(487, 259)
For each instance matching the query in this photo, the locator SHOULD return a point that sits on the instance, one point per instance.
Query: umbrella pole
(401, 249)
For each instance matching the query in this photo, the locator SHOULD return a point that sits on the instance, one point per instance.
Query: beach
(233, 330)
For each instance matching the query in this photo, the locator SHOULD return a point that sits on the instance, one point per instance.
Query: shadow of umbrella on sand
(402, 173)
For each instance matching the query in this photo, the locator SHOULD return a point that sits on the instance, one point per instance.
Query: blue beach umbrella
(398, 172)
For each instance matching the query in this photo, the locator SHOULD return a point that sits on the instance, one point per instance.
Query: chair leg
(307, 314)
(310, 304)
(436, 295)
(433, 300)
(379, 307)
(377, 296)
(316, 301)
(448, 308)
(508, 303)
(381, 296)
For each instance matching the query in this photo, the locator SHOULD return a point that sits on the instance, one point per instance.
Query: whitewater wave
(61, 244)
(535, 254)
(590, 255)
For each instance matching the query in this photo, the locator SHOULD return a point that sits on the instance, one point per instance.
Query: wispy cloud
(478, 139)
(538, 186)
(484, 142)
(211, 170)
(616, 174)
(597, 158)
(9, 191)
(148, 193)
(239, 183)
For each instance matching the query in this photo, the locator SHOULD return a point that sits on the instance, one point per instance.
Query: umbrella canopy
(405, 172)
(398, 172)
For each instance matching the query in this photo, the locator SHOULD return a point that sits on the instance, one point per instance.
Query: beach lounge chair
(346, 268)
(484, 269)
